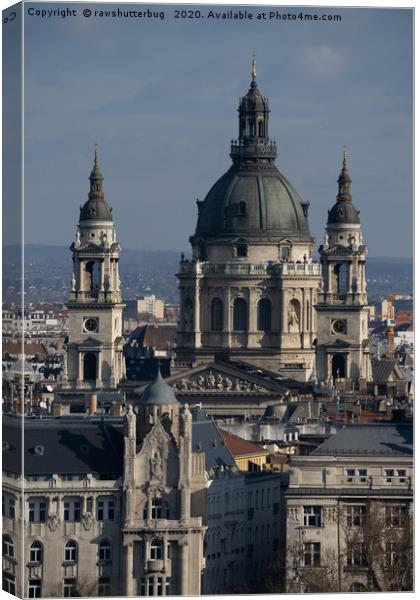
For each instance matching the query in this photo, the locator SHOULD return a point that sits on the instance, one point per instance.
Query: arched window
(285, 252)
(188, 315)
(264, 315)
(216, 314)
(260, 129)
(35, 552)
(242, 207)
(8, 547)
(89, 366)
(156, 549)
(241, 250)
(240, 315)
(341, 278)
(70, 551)
(357, 586)
(104, 550)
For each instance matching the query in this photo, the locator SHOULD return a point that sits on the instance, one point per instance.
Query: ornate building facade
(95, 343)
(342, 308)
(250, 288)
(164, 483)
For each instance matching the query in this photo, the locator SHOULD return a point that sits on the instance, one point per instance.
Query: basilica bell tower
(342, 311)
(95, 342)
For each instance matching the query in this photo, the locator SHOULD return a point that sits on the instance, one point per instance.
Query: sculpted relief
(216, 383)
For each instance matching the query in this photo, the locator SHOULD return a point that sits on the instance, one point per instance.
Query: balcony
(288, 269)
(155, 566)
(266, 149)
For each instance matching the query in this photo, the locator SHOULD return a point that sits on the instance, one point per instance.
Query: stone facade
(332, 493)
(342, 308)
(252, 284)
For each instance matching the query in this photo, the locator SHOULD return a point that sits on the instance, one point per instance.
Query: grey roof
(344, 212)
(383, 369)
(158, 392)
(63, 445)
(372, 439)
(273, 206)
(90, 445)
(95, 209)
(207, 438)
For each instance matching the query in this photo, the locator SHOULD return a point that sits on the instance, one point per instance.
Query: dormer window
(241, 250)
(285, 252)
(242, 207)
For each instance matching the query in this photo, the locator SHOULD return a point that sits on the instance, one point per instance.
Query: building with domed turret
(252, 284)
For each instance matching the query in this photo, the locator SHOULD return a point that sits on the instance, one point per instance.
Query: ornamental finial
(96, 162)
(345, 157)
(254, 67)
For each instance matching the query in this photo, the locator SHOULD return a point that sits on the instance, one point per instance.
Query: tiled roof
(383, 369)
(240, 447)
(373, 439)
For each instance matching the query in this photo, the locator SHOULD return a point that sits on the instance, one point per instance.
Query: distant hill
(48, 273)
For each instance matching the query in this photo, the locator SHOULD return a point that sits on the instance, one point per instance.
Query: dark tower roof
(253, 199)
(343, 210)
(158, 392)
(96, 209)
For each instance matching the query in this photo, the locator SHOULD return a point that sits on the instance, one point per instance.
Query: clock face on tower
(339, 326)
(90, 324)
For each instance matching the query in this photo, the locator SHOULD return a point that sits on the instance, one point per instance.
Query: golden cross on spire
(254, 67)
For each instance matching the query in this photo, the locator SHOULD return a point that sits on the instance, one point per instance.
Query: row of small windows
(355, 515)
(36, 551)
(105, 510)
(69, 586)
(240, 315)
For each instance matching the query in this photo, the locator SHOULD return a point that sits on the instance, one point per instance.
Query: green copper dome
(253, 199)
(254, 202)
(344, 212)
(96, 209)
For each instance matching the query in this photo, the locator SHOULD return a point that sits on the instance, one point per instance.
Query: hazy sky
(160, 98)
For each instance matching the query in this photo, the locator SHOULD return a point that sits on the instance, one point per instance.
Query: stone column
(184, 568)
(81, 282)
(228, 317)
(99, 368)
(197, 324)
(129, 579)
(327, 271)
(101, 276)
(349, 277)
(79, 368)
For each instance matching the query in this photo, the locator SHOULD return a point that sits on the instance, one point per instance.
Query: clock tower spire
(95, 345)
(342, 311)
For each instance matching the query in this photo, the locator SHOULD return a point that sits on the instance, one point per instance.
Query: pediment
(222, 378)
(89, 342)
(338, 343)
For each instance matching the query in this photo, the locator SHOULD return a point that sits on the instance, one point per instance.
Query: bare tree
(379, 540)
(376, 552)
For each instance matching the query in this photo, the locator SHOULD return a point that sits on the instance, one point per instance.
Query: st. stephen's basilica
(254, 290)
